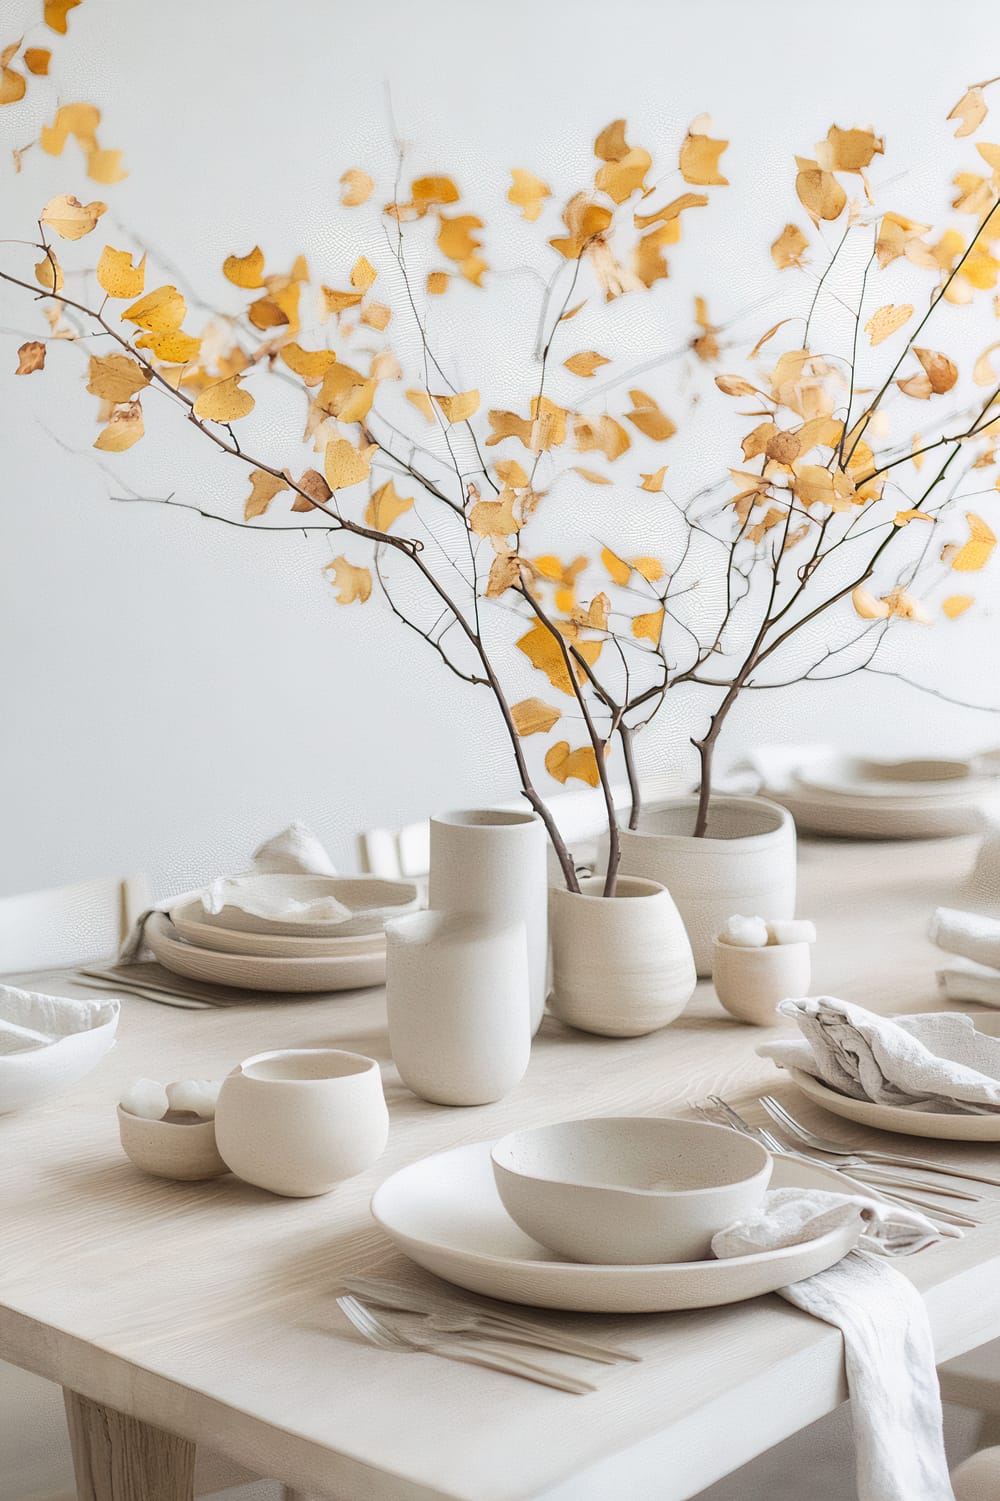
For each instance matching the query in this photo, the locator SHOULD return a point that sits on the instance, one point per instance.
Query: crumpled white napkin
(888, 1349)
(230, 891)
(962, 980)
(936, 1062)
(295, 850)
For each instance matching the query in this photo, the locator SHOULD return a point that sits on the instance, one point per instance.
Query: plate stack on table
(282, 932)
(914, 799)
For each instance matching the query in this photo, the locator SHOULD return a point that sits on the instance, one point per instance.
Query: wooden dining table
(182, 1314)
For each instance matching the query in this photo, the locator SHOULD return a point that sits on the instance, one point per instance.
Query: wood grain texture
(209, 1309)
(117, 1458)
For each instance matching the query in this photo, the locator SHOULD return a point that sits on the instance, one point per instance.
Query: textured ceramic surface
(47, 1044)
(459, 1008)
(855, 816)
(372, 898)
(189, 920)
(629, 1190)
(621, 966)
(445, 1213)
(299, 1121)
(908, 1122)
(750, 982)
(245, 972)
(172, 1148)
(745, 863)
(494, 863)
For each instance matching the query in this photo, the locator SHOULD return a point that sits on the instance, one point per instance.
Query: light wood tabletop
(207, 1311)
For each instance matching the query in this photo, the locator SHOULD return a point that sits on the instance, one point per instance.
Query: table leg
(118, 1458)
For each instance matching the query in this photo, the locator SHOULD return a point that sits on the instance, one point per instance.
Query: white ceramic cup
(300, 1120)
(750, 982)
(458, 995)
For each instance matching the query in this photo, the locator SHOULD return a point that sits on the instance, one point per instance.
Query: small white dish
(48, 1043)
(629, 1190)
(445, 1214)
(180, 1146)
(907, 1122)
(189, 920)
(370, 898)
(247, 972)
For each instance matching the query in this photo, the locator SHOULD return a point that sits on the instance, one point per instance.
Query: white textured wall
(172, 691)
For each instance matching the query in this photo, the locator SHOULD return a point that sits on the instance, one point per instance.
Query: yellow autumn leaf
(602, 434)
(562, 763)
(699, 157)
(386, 506)
(351, 582)
(357, 401)
(885, 321)
(527, 192)
(174, 347)
(596, 615)
(317, 491)
(590, 475)
(789, 247)
(904, 606)
(647, 416)
(867, 606)
(735, 385)
(586, 363)
(671, 210)
(245, 271)
(224, 401)
(970, 111)
(376, 315)
(116, 377)
(105, 167)
(422, 402)
(505, 572)
(263, 488)
(428, 191)
(124, 427)
(510, 472)
(310, 364)
(70, 218)
(437, 283)
(651, 569)
(37, 59)
(363, 274)
(956, 604)
(356, 187)
(941, 371)
(30, 357)
(12, 84)
(338, 302)
(624, 176)
(533, 716)
(901, 518)
(619, 570)
(118, 276)
(653, 482)
(976, 552)
(544, 652)
(819, 192)
(49, 273)
(160, 311)
(459, 407)
(495, 518)
(456, 237)
(345, 465)
(648, 627)
(78, 120)
(849, 150)
(54, 13)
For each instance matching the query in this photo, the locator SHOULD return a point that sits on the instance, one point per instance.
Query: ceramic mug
(298, 1121)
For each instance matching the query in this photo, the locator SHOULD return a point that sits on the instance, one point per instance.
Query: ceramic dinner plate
(908, 1122)
(918, 778)
(862, 816)
(248, 972)
(371, 899)
(189, 920)
(445, 1214)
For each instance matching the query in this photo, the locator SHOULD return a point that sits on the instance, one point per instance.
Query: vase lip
(775, 819)
(433, 923)
(485, 818)
(342, 1065)
(640, 886)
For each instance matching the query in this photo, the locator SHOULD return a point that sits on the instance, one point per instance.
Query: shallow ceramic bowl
(750, 982)
(370, 898)
(628, 1190)
(179, 1146)
(189, 920)
(47, 1043)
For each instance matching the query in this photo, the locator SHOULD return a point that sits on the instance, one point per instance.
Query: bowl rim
(625, 1190)
(242, 1069)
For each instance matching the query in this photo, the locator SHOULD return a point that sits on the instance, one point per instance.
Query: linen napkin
(229, 891)
(969, 934)
(294, 850)
(937, 1062)
(962, 980)
(888, 1349)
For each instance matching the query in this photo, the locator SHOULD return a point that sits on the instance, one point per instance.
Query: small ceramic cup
(750, 982)
(180, 1146)
(298, 1121)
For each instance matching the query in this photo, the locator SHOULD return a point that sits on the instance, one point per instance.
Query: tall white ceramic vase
(492, 862)
(622, 965)
(457, 995)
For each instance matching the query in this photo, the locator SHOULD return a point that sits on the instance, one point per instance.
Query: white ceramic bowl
(629, 1190)
(47, 1043)
(180, 1146)
(371, 898)
(750, 982)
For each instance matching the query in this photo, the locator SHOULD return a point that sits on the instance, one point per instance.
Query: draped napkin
(888, 1350)
(937, 1062)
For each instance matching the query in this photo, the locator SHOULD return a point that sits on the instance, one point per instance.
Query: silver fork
(386, 1336)
(778, 1112)
(949, 1222)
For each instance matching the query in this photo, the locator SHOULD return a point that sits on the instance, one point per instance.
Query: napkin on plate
(294, 851)
(888, 1349)
(937, 1062)
(228, 891)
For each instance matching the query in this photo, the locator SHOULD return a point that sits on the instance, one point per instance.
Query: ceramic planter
(299, 1121)
(745, 863)
(750, 981)
(494, 863)
(622, 965)
(458, 998)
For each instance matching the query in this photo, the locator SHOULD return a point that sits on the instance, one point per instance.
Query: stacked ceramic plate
(913, 799)
(283, 932)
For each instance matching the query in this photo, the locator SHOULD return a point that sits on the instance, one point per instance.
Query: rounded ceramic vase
(299, 1121)
(180, 1146)
(750, 982)
(744, 863)
(459, 1005)
(621, 965)
(493, 862)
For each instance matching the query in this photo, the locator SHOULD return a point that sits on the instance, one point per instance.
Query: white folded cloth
(962, 980)
(936, 1062)
(969, 934)
(294, 850)
(888, 1350)
(232, 891)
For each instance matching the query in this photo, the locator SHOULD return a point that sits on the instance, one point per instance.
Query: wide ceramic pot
(744, 863)
(621, 965)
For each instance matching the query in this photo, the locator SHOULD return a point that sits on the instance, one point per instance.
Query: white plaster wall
(172, 691)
